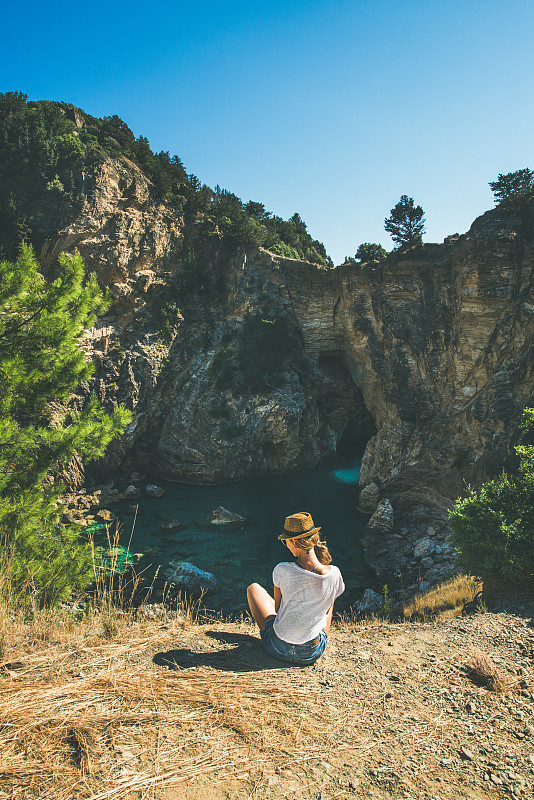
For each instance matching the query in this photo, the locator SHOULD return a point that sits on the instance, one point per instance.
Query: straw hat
(298, 526)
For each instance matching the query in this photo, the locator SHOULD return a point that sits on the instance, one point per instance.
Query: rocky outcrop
(428, 356)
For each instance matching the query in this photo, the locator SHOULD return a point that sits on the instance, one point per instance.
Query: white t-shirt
(306, 597)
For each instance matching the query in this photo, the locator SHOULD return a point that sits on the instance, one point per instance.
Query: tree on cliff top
(41, 427)
(369, 251)
(513, 190)
(493, 528)
(406, 223)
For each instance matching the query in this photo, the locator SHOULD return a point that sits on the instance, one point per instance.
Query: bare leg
(261, 604)
(328, 619)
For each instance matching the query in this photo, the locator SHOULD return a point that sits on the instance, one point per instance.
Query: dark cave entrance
(343, 405)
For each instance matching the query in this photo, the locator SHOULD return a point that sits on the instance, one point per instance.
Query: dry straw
(444, 601)
(483, 671)
(56, 735)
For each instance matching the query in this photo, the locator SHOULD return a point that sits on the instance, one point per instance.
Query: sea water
(248, 554)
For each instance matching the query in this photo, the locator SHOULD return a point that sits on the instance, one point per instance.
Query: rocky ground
(197, 710)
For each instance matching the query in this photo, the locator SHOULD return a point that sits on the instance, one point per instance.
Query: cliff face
(428, 356)
(441, 344)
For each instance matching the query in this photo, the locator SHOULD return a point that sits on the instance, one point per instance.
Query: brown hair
(313, 542)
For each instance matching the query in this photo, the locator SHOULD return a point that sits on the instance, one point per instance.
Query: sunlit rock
(382, 520)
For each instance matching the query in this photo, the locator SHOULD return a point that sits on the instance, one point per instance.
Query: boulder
(105, 516)
(382, 520)
(154, 491)
(368, 499)
(370, 602)
(106, 495)
(222, 519)
(130, 493)
(424, 547)
(172, 527)
(186, 577)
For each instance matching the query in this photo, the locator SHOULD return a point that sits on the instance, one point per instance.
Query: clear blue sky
(330, 108)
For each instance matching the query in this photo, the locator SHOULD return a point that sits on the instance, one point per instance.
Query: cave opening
(344, 406)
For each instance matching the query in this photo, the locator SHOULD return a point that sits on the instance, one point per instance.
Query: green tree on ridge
(406, 223)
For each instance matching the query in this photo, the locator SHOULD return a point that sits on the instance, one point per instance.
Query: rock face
(368, 499)
(427, 355)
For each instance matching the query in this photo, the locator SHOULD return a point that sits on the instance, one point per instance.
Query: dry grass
(483, 671)
(78, 720)
(443, 601)
(74, 730)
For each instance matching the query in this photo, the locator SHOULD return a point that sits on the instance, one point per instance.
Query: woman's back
(306, 597)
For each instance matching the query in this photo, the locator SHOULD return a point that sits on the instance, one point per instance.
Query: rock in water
(191, 579)
(172, 526)
(130, 493)
(154, 491)
(222, 519)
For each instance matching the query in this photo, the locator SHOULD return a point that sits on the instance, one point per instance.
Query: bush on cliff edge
(493, 527)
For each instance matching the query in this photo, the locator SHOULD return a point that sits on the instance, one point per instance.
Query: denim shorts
(303, 654)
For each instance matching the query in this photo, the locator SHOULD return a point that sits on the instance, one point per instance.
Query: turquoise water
(239, 557)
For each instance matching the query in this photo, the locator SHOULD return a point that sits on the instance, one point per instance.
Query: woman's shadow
(247, 655)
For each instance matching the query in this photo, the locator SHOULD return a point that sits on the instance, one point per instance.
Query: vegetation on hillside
(513, 190)
(48, 151)
(255, 358)
(493, 527)
(370, 251)
(42, 426)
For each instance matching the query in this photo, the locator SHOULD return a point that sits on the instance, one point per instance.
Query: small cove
(239, 557)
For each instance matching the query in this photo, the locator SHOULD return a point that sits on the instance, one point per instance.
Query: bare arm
(277, 598)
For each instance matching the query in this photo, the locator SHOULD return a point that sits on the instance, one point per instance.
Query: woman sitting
(294, 625)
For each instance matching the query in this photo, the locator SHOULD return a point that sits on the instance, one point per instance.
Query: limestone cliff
(427, 355)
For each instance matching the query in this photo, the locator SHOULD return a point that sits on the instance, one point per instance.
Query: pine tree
(41, 427)
(406, 223)
(514, 190)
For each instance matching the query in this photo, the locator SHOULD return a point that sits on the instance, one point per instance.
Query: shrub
(493, 527)
(369, 251)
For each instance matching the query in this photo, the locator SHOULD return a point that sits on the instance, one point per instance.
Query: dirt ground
(200, 712)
